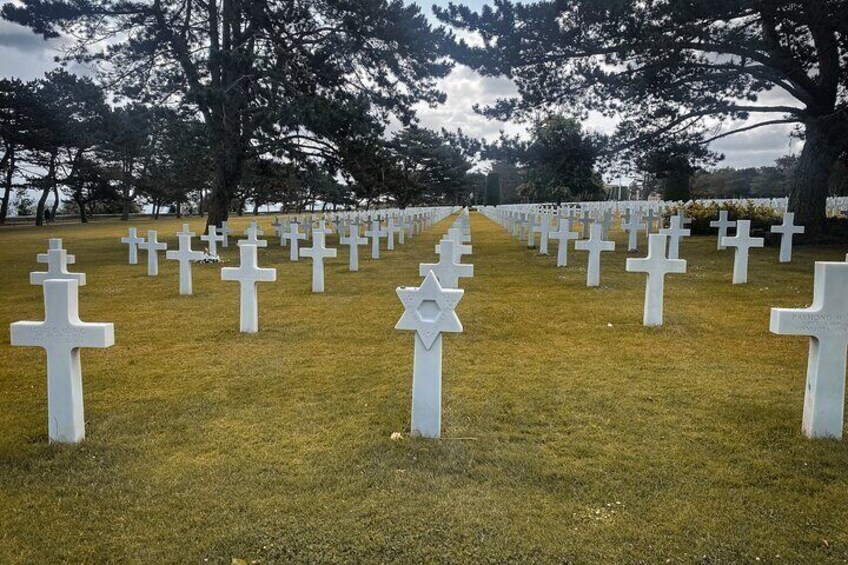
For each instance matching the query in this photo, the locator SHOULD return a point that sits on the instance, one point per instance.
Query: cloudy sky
(25, 55)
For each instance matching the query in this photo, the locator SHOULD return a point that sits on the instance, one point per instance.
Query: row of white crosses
(825, 322)
(396, 223)
(62, 334)
(249, 273)
(594, 245)
(429, 311)
(656, 265)
(632, 223)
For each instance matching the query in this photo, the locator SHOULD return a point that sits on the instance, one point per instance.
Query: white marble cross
(531, 231)
(657, 267)
(563, 235)
(248, 274)
(212, 239)
(62, 334)
(375, 233)
(253, 232)
(279, 229)
(294, 236)
(606, 223)
(586, 221)
(55, 243)
(132, 240)
(186, 231)
(391, 230)
(353, 241)
(594, 245)
(224, 230)
(405, 224)
(282, 230)
(254, 227)
(318, 253)
(447, 269)
(826, 323)
(185, 256)
(459, 249)
(650, 221)
(787, 230)
(722, 224)
(429, 311)
(57, 260)
(544, 229)
(322, 227)
(515, 220)
(524, 228)
(572, 218)
(632, 226)
(307, 226)
(152, 245)
(743, 242)
(675, 232)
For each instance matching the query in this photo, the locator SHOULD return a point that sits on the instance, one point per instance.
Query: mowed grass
(571, 432)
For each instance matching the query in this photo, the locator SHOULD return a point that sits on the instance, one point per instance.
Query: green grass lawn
(571, 432)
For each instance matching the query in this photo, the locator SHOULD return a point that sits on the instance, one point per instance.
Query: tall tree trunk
(228, 154)
(81, 205)
(7, 183)
(126, 201)
(825, 142)
(55, 209)
(39, 208)
(49, 182)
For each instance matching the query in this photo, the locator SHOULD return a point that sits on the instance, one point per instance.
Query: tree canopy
(669, 70)
(558, 161)
(286, 79)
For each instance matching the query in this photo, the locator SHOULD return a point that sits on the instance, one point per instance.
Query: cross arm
(36, 334)
(96, 335)
(793, 321)
(27, 334)
(425, 268)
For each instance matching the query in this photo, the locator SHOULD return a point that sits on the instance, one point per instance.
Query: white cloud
(465, 88)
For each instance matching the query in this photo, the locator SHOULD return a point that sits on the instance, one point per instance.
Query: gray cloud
(19, 38)
(23, 54)
(757, 148)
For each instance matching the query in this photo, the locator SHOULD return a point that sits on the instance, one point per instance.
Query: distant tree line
(63, 143)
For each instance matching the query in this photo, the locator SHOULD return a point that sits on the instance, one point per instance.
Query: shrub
(702, 213)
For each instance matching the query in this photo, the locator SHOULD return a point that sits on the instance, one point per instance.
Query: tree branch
(748, 128)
